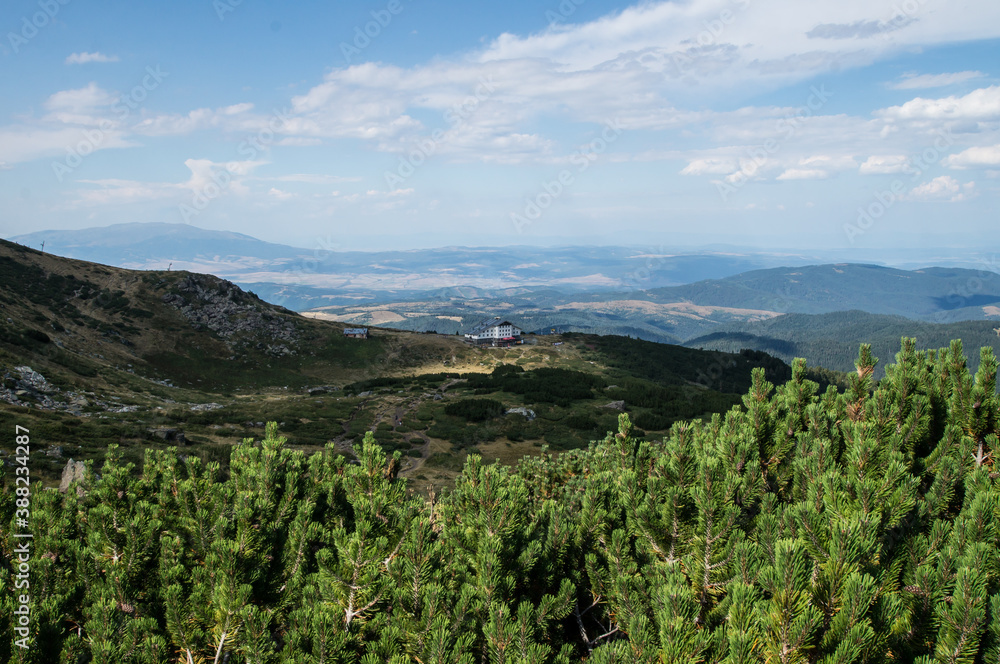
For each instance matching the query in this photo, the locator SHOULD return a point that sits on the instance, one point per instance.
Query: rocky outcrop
(32, 380)
(73, 472)
(170, 435)
(202, 407)
(238, 318)
(26, 387)
(615, 405)
(521, 410)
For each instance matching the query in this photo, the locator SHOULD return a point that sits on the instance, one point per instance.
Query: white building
(495, 331)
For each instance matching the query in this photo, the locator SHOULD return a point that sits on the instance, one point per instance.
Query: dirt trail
(341, 442)
(416, 462)
(395, 408)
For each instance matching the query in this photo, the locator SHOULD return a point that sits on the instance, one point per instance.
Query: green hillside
(193, 330)
(828, 339)
(931, 294)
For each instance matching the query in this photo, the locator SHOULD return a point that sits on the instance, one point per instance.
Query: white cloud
(703, 34)
(638, 66)
(711, 165)
(803, 174)
(84, 58)
(912, 81)
(981, 104)
(79, 99)
(857, 29)
(24, 143)
(988, 155)
(81, 106)
(475, 119)
(236, 117)
(312, 178)
(883, 164)
(205, 171)
(205, 175)
(299, 142)
(829, 162)
(120, 192)
(740, 41)
(943, 187)
(279, 194)
(635, 65)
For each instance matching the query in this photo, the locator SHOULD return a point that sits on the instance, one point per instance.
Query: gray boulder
(73, 472)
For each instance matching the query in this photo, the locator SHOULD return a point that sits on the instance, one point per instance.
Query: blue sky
(415, 123)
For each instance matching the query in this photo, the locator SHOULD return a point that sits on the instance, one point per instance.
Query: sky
(391, 124)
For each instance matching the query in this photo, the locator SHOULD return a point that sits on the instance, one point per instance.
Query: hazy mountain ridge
(732, 311)
(306, 274)
(686, 313)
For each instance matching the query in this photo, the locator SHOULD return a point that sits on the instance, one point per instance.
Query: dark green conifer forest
(799, 527)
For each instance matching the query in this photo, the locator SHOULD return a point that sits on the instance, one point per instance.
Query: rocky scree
(237, 317)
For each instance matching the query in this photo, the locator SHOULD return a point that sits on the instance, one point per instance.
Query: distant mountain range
(739, 303)
(147, 245)
(301, 278)
(724, 301)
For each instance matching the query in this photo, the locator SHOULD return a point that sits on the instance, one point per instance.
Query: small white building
(494, 331)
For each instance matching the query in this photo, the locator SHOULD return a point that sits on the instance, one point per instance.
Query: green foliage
(667, 364)
(830, 339)
(799, 526)
(475, 410)
(545, 385)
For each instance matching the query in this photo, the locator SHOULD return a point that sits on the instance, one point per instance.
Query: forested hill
(931, 294)
(852, 528)
(829, 340)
